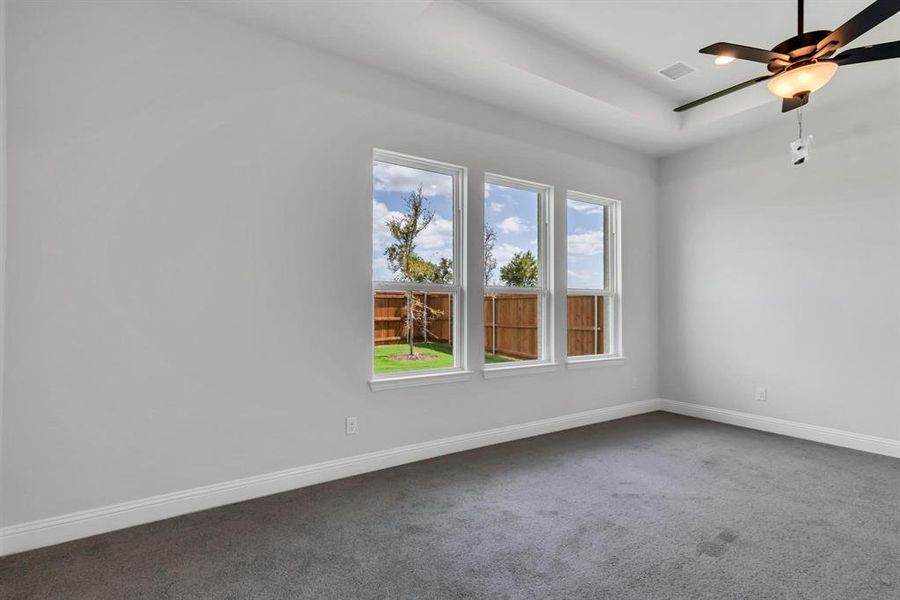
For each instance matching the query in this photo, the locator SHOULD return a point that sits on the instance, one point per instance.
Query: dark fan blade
(725, 92)
(743, 52)
(868, 18)
(868, 53)
(789, 104)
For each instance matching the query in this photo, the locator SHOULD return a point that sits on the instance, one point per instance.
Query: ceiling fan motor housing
(799, 47)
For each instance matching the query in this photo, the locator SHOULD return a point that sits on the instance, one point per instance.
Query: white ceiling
(588, 66)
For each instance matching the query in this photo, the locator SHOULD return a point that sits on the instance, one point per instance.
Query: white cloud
(496, 207)
(504, 252)
(380, 216)
(586, 244)
(585, 279)
(436, 241)
(587, 208)
(514, 225)
(395, 178)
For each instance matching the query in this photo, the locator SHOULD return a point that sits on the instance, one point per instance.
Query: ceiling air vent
(676, 71)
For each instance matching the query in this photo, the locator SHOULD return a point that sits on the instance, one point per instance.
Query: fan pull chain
(800, 146)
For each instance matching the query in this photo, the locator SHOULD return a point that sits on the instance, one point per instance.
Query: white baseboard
(825, 435)
(54, 530)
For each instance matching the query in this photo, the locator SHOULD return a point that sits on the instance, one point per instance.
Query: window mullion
(501, 290)
(384, 286)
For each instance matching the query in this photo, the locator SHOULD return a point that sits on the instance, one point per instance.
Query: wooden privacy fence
(511, 325)
(390, 318)
(510, 322)
(585, 333)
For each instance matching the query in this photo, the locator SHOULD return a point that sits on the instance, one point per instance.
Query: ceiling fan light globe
(798, 80)
(724, 60)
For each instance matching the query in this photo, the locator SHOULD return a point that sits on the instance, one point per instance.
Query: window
(416, 266)
(516, 272)
(593, 303)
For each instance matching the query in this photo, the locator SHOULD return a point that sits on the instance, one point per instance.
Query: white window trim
(593, 361)
(405, 381)
(544, 290)
(456, 289)
(515, 369)
(612, 274)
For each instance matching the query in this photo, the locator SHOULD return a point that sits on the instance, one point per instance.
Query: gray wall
(3, 186)
(788, 277)
(189, 250)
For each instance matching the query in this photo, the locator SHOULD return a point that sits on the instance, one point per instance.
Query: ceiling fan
(803, 64)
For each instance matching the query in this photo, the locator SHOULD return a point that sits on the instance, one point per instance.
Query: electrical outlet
(761, 394)
(351, 426)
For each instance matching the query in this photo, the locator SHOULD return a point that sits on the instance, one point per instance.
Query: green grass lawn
(442, 353)
(384, 363)
(490, 359)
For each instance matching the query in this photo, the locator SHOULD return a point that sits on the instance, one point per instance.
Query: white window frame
(382, 381)
(612, 284)
(544, 289)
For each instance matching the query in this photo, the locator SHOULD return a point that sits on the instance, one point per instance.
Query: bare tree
(408, 266)
(418, 315)
(490, 263)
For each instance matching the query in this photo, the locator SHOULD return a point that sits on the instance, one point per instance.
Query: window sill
(514, 371)
(590, 363)
(405, 381)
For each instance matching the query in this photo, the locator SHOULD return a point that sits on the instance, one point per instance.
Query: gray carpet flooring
(651, 507)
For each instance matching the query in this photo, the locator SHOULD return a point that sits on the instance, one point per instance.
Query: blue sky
(513, 215)
(391, 185)
(584, 229)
